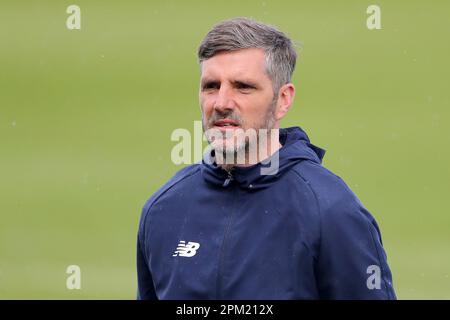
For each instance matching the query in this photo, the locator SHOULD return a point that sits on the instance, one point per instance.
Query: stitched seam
(367, 222)
(317, 205)
(154, 201)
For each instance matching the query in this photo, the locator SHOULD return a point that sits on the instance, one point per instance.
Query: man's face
(236, 93)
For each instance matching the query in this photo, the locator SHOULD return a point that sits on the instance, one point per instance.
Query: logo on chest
(186, 249)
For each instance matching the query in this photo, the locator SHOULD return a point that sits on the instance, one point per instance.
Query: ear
(285, 98)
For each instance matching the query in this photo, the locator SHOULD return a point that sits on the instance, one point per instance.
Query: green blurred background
(86, 117)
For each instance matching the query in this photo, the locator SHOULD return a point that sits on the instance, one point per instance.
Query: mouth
(226, 124)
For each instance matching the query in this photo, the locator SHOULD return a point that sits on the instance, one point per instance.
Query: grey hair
(245, 33)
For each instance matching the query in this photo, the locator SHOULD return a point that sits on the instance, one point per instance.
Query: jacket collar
(296, 147)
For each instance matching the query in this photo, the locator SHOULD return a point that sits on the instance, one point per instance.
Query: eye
(210, 86)
(245, 87)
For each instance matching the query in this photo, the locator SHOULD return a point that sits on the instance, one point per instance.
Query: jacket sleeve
(351, 263)
(146, 290)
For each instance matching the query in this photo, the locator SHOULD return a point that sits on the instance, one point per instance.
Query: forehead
(248, 63)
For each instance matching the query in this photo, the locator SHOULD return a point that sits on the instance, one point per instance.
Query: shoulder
(335, 199)
(178, 178)
(340, 213)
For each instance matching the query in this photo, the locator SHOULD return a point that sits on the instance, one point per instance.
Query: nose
(224, 101)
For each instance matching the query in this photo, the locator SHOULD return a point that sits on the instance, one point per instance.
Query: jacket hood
(296, 147)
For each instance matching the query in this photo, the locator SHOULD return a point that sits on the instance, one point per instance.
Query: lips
(226, 123)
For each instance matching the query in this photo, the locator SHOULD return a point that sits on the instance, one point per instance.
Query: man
(226, 229)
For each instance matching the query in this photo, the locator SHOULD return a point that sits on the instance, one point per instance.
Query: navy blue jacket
(298, 234)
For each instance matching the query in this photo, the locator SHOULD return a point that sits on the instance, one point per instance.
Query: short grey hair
(245, 33)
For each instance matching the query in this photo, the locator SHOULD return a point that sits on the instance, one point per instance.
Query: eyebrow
(244, 82)
(209, 81)
(248, 82)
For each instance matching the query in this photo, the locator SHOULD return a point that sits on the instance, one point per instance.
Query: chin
(224, 150)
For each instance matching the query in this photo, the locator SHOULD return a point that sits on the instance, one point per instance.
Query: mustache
(216, 116)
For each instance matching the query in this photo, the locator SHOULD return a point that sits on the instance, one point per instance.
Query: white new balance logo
(186, 250)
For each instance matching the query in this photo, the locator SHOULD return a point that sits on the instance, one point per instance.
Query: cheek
(256, 110)
(206, 106)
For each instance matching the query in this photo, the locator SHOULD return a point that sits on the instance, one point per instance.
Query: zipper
(219, 285)
(228, 179)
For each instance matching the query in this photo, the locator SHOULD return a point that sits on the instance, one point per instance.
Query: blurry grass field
(86, 117)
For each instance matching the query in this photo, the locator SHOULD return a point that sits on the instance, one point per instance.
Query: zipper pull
(228, 180)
